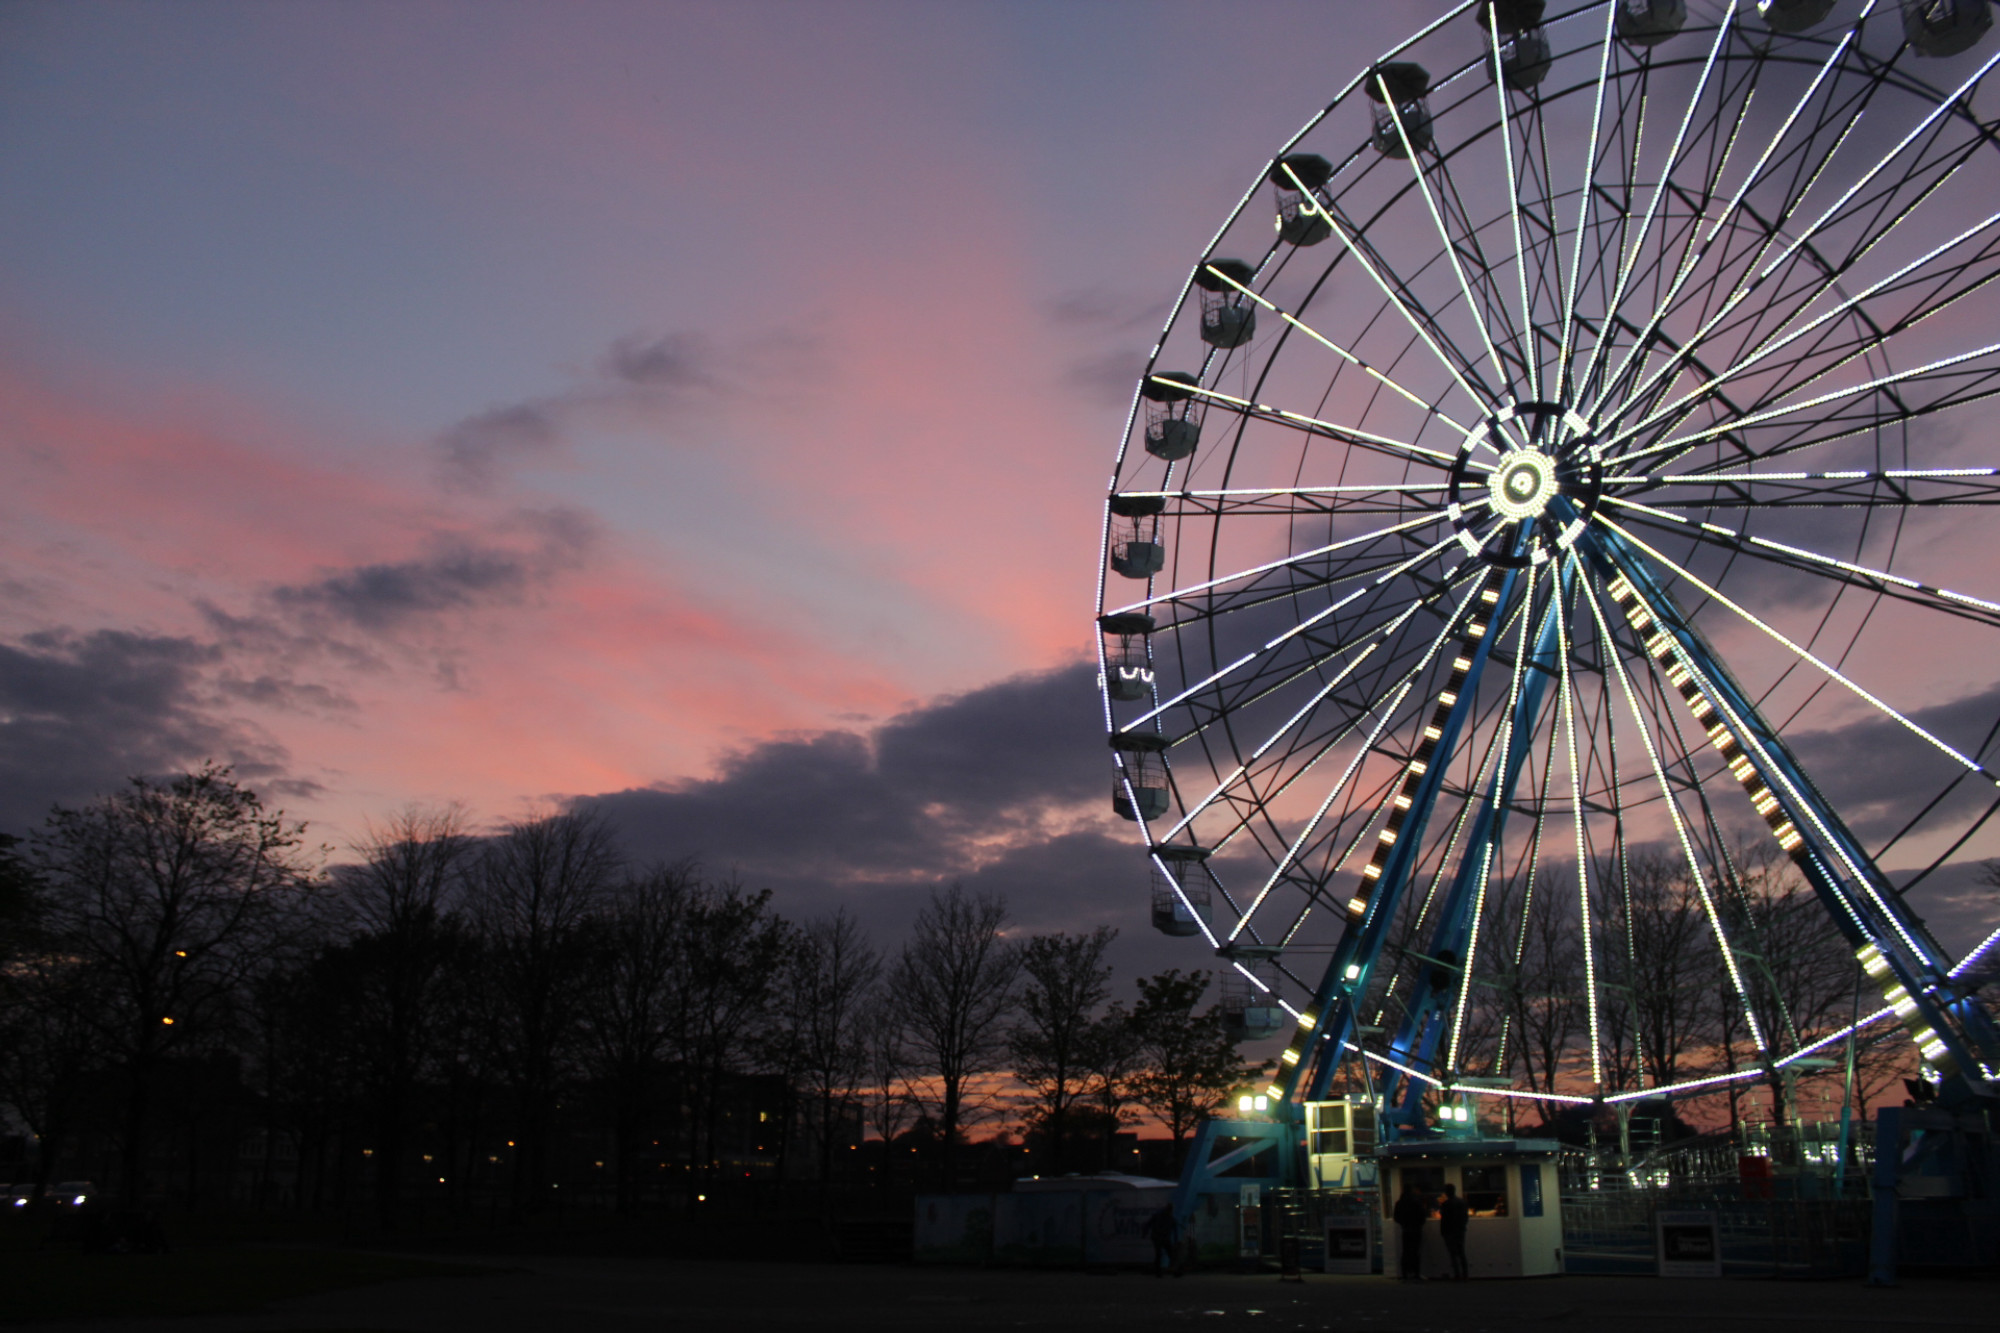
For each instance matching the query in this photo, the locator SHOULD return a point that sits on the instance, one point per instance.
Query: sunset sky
(511, 402)
(516, 402)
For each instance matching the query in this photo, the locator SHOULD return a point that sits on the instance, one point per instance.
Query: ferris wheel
(1574, 452)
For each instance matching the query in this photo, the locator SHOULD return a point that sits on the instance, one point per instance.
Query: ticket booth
(1516, 1225)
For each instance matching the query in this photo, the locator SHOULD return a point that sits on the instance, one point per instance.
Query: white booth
(1515, 1229)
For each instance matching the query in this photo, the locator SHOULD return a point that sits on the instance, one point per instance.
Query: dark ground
(535, 1294)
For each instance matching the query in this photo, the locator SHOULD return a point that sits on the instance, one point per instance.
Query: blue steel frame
(1892, 946)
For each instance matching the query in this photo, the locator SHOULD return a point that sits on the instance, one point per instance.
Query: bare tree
(171, 896)
(48, 1022)
(732, 957)
(1540, 975)
(537, 885)
(401, 898)
(833, 974)
(631, 1004)
(1066, 981)
(886, 1069)
(953, 987)
(1112, 1057)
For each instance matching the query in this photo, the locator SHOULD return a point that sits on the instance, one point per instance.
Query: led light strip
(1660, 646)
(1482, 615)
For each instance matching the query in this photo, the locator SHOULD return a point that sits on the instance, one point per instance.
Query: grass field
(67, 1285)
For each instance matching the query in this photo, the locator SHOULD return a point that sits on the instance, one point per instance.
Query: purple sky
(510, 402)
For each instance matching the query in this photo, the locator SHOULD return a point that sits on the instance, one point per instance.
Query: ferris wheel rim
(1696, 479)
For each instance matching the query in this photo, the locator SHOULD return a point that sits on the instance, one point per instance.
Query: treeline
(1671, 980)
(450, 1015)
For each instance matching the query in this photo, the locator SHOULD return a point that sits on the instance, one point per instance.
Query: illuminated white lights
(1523, 484)
(1353, 971)
(1622, 590)
(1871, 959)
(1307, 1021)
(1356, 906)
(1290, 1057)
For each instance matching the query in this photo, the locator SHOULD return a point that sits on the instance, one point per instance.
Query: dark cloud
(80, 713)
(999, 788)
(473, 451)
(1098, 310)
(652, 376)
(673, 361)
(458, 574)
(1109, 377)
(1121, 327)
(913, 799)
(1878, 773)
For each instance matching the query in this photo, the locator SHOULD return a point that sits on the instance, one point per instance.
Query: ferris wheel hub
(1524, 483)
(1507, 512)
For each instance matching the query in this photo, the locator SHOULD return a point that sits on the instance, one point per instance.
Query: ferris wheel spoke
(1499, 796)
(1585, 195)
(1530, 351)
(1297, 845)
(1391, 701)
(1597, 357)
(1671, 802)
(1348, 643)
(1352, 359)
(1797, 243)
(1975, 278)
(1736, 203)
(1827, 354)
(1472, 309)
(1422, 323)
(1927, 373)
(1330, 430)
(1812, 562)
(1805, 655)
(1914, 488)
(1182, 594)
(1566, 694)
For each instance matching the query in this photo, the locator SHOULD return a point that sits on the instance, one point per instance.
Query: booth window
(1333, 1140)
(1429, 1181)
(1485, 1190)
(1531, 1190)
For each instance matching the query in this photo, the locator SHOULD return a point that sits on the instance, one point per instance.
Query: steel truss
(1527, 506)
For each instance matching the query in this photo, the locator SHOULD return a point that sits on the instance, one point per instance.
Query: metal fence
(1612, 1231)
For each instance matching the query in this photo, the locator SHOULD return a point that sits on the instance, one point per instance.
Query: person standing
(1452, 1214)
(1413, 1209)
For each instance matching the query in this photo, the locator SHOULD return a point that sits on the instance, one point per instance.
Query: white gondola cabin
(1650, 22)
(1173, 414)
(1228, 315)
(1301, 217)
(1523, 46)
(1945, 27)
(1403, 85)
(1140, 789)
(1128, 660)
(1136, 549)
(1183, 897)
(1793, 15)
